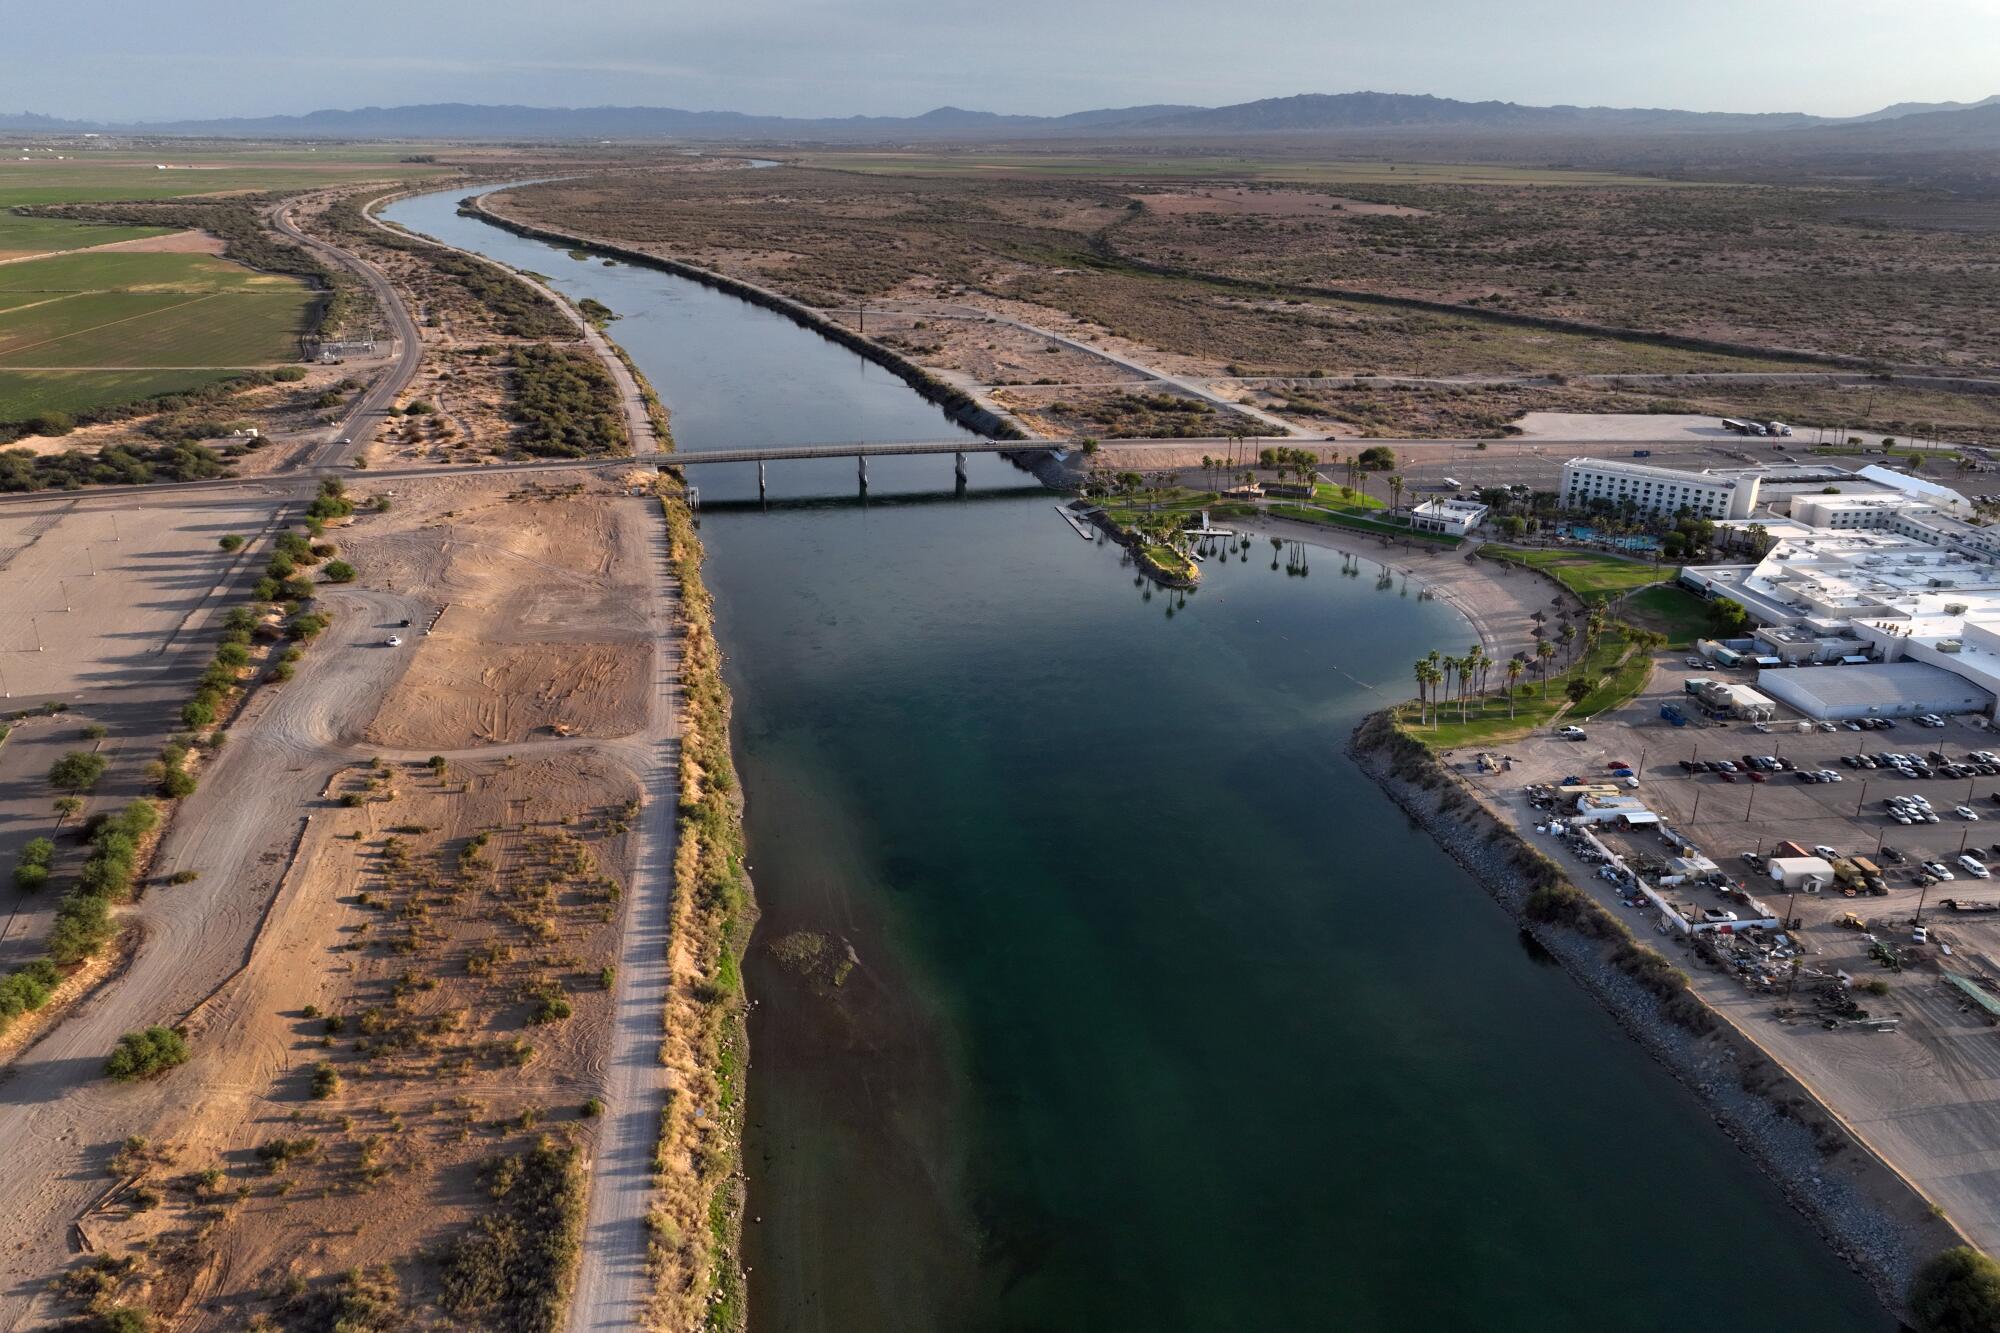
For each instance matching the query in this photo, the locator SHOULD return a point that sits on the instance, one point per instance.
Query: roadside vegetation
(697, 1223)
(512, 1269)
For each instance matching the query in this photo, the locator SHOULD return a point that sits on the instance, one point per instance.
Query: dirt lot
(539, 620)
(119, 650)
(1926, 1096)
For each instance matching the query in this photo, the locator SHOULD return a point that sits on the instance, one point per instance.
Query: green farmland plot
(25, 394)
(136, 310)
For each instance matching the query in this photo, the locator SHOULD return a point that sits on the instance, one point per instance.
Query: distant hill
(1948, 124)
(1901, 109)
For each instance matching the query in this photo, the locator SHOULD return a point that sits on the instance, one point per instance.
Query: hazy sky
(148, 59)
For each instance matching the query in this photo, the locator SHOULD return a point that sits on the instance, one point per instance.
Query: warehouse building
(1884, 689)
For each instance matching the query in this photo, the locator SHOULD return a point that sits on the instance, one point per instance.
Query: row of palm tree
(1444, 679)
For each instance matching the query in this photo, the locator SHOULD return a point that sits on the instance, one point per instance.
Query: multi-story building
(1659, 490)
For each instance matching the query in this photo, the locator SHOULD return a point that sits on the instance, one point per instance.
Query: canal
(1160, 1015)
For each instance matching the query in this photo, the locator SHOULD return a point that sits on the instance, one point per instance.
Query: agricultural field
(120, 325)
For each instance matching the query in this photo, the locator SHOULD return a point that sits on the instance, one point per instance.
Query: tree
(437, 764)
(1956, 1292)
(232, 542)
(78, 770)
(142, 1054)
(1578, 689)
(1395, 491)
(1545, 653)
(67, 807)
(1515, 666)
(339, 571)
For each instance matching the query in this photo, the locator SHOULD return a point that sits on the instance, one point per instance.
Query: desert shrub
(31, 871)
(142, 1054)
(232, 542)
(339, 571)
(512, 1270)
(78, 770)
(362, 1301)
(325, 1080)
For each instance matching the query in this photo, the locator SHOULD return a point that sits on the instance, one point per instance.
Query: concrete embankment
(1873, 1220)
(957, 404)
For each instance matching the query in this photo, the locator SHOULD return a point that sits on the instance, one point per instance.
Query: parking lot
(1869, 1020)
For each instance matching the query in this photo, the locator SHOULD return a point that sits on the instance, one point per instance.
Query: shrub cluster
(113, 465)
(512, 1270)
(566, 404)
(31, 871)
(518, 310)
(142, 1054)
(83, 919)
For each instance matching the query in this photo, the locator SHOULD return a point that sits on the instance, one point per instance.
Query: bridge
(861, 451)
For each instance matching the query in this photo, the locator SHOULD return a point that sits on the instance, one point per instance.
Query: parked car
(1974, 866)
(395, 640)
(1938, 870)
(1822, 850)
(1571, 733)
(1965, 812)
(1694, 662)
(1893, 856)
(1718, 914)
(1920, 935)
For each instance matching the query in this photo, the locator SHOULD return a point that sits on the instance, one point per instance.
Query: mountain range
(1309, 113)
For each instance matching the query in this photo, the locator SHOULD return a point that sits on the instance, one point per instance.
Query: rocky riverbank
(1872, 1219)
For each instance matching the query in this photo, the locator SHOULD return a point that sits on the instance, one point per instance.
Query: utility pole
(1862, 799)
(1921, 895)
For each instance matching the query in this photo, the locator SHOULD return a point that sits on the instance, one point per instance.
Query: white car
(1570, 733)
(1828, 775)
(1939, 870)
(395, 641)
(1920, 935)
(1965, 812)
(1825, 852)
(1694, 662)
(1975, 867)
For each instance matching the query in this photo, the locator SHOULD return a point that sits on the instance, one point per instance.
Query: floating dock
(1081, 528)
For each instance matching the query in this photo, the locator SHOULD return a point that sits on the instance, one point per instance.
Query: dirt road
(59, 1117)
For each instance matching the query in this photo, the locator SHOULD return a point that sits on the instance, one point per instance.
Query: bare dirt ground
(117, 649)
(540, 620)
(436, 949)
(413, 965)
(1924, 1097)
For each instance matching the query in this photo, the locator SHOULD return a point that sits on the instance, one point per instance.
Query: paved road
(358, 427)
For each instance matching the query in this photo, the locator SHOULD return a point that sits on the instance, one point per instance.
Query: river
(1164, 1017)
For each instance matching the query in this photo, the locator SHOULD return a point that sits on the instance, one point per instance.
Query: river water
(1163, 1016)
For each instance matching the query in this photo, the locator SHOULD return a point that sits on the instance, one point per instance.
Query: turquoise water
(1164, 1018)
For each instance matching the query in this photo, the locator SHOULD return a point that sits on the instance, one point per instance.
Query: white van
(1974, 866)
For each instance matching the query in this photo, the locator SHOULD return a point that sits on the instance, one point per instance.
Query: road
(346, 440)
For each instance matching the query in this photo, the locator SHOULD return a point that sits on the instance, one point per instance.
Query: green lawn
(1670, 609)
(1591, 576)
(1353, 517)
(1487, 719)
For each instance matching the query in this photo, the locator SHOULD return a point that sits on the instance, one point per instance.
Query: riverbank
(1871, 1218)
(956, 403)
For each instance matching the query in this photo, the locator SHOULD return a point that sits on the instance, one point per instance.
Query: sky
(143, 59)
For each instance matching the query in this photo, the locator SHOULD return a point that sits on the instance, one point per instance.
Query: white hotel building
(1659, 490)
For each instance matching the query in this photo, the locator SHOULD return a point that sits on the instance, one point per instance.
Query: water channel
(1163, 1017)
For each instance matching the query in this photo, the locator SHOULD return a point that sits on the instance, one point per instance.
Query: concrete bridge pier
(959, 468)
(760, 481)
(861, 469)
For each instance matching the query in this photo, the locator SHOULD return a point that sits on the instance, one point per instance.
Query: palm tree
(1544, 653)
(1395, 492)
(1514, 669)
(1568, 640)
(1423, 670)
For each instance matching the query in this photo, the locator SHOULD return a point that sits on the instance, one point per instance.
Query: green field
(99, 177)
(1592, 577)
(1141, 166)
(25, 394)
(39, 236)
(135, 310)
